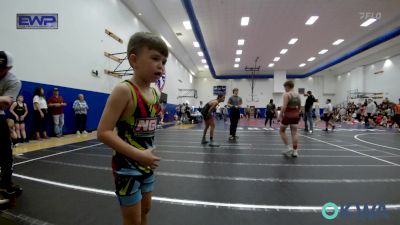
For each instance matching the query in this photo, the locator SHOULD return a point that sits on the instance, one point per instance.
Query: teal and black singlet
(138, 130)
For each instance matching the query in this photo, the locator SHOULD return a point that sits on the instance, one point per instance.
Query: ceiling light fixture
(187, 25)
(323, 51)
(293, 41)
(245, 21)
(368, 22)
(338, 41)
(312, 20)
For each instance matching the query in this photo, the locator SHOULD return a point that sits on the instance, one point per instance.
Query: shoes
(310, 131)
(84, 132)
(38, 138)
(213, 144)
(287, 152)
(204, 141)
(13, 191)
(231, 138)
(78, 133)
(295, 153)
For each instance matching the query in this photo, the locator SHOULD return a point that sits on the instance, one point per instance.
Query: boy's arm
(113, 110)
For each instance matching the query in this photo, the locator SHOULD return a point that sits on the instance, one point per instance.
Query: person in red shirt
(379, 118)
(57, 104)
(397, 114)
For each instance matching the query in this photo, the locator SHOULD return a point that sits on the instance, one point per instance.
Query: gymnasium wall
(364, 79)
(263, 90)
(65, 57)
(330, 86)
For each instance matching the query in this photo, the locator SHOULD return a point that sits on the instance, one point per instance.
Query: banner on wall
(161, 82)
(37, 21)
(219, 90)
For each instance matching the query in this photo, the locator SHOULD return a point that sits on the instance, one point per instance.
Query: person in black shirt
(234, 104)
(270, 112)
(308, 111)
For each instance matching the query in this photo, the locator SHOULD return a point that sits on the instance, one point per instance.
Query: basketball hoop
(253, 98)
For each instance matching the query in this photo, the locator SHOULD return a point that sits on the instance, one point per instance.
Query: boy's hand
(147, 158)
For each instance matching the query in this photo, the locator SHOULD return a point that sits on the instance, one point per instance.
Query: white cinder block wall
(67, 56)
(336, 87)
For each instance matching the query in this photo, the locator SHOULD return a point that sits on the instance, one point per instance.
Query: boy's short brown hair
(289, 84)
(146, 39)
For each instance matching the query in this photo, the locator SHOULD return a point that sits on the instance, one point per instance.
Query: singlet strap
(156, 100)
(133, 93)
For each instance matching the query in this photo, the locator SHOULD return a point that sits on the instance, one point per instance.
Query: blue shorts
(129, 188)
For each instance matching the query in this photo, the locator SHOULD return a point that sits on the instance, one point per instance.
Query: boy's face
(287, 89)
(222, 99)
(148, 64)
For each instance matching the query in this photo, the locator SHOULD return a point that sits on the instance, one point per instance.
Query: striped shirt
(80, 107)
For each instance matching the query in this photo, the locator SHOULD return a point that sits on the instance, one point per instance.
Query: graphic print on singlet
(137, 129)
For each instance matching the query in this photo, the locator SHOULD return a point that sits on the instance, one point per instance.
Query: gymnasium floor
(244, 182)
